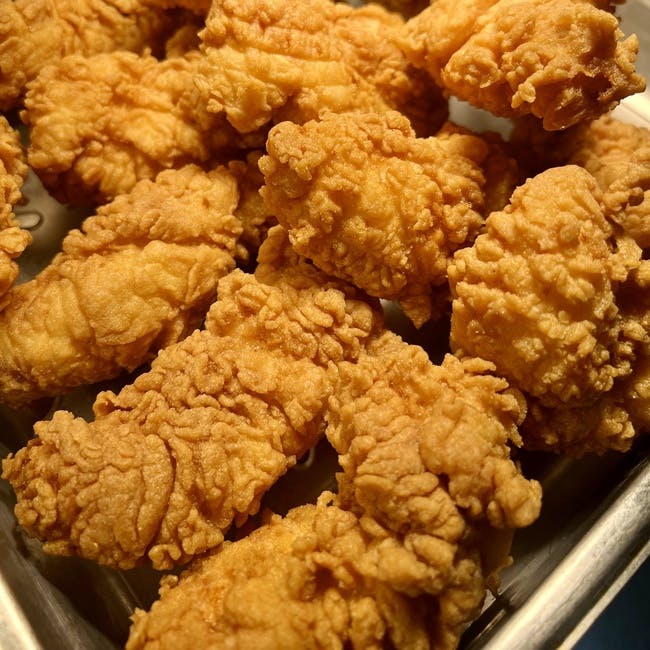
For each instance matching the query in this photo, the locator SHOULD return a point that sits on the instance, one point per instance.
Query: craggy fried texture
(281, 60)
(501, 167)
(425, 455)
(35, 33)
(192, 445)
(615, 419)
(618, 156)
(314, 579)
(368, 202)
(563, 61)
(316, 562)
(139, 276)
(99, 124)
(616, 153)
(402, 557)
(13, 239)
(426, 447)
(537, 295)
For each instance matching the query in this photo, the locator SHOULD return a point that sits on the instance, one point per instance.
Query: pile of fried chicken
(263, 179)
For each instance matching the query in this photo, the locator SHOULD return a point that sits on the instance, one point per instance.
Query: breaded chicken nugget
(270, 60)
(35, 33)
(99, 124)
(368, 202)
(564, 61)
(428, 498)
(537, 296)
(170, 462)
(138, 276)
(317, 578)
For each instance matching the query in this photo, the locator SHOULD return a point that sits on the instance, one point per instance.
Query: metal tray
(593, 534)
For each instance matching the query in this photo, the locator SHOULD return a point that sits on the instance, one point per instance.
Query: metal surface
(592, 535)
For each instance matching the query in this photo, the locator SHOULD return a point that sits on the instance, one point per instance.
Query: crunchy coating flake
(138, 276)
(99, 124)
(281, 60)
(537, 295)
(13, 239)
(191, 446)
(35, 33)
(368, 202)
(564, 61)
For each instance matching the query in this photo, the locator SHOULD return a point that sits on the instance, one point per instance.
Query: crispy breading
(35, 33)
(99, 124)
(13, 239)
(616, 153)
(368, 202)
(537, 295)
(317, 578)
(615, 419)
(564, 61)
(270, 60)
(402, 555)
(427, 447)
(172, 460)
(138, 276)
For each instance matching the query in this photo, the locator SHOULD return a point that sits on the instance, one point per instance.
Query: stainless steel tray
(593, 534)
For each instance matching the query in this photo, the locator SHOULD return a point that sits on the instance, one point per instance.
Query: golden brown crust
(13, 239)
(192, 445)
(274, 61)
(537, 294)
(35, 33)
(564, 61)
(138, 276)
(99, 124)
(370, 203)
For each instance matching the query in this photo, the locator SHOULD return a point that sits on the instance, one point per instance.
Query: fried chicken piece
(13, 239)
(537, 296)
(35, 33)
(99, 124)
(281, 60)
(618, 156)
(563, 61)
(368, 202)
(316, 578)
(616, 418)
(427, 447)
(401, 557)
(140, 275)
(170, 462)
